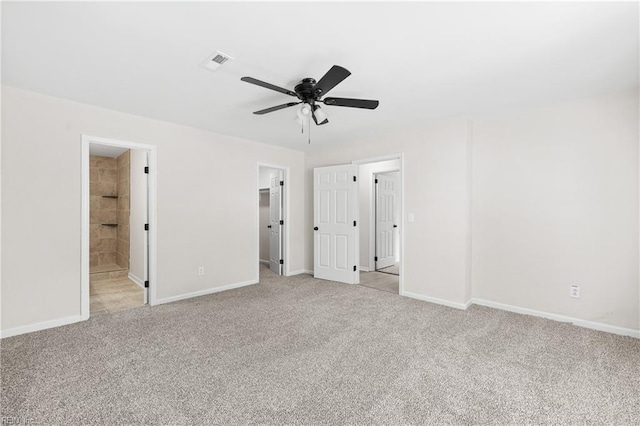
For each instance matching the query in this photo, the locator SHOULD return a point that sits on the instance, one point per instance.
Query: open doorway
(344, 223)
(272, 223)
(117, 243)
(380, 210)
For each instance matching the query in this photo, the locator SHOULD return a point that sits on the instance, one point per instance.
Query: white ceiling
(423, 61)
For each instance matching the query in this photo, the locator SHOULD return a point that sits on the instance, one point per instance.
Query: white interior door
(335, 214)
(386, 220)
(275, 222)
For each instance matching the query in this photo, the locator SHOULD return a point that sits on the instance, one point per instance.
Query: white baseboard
(39, 326)
(365, 269)
(136, 280)
(265, 262)
(300, 271)
(204, 292)
(556, 317)
(435, 300)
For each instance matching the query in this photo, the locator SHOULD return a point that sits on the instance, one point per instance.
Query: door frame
(399, 156)
(86, 140)
(285, 217)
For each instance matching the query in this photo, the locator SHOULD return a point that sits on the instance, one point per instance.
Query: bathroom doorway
(117, 223)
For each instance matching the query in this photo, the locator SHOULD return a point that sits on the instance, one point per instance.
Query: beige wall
(122, 233)
(554, 191)
(207, 205)
(555, 203)
(436, 192)
(103, 181)
(516, 209)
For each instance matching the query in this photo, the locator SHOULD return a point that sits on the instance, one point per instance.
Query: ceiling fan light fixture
(303, 113)
(305, 110)
(321, 116)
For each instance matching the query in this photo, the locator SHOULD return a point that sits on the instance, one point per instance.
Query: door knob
(395, 226)
(268, 226)
(315, 228)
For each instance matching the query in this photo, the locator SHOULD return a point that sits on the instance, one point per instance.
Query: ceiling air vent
(214, 61)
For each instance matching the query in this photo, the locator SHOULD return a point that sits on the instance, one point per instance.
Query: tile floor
(380, 281)
(108, 296)
(106, 268)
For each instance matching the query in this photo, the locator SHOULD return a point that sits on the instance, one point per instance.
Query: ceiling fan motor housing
(305, 91)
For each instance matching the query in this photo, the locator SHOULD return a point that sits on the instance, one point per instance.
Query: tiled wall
(122, 237)
(103, 181)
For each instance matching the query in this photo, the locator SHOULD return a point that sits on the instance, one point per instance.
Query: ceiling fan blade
(330, 80)
(268, 86)
(276, 108)
(353, 103)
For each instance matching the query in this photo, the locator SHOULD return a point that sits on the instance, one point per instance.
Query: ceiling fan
(309, 92)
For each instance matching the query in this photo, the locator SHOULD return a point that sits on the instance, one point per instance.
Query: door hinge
(354, 223)
(146, 284)
(354, 268)
(282, 261)
(282, 222)
(281, 183)
(376, 180)
(375, 258)
(146, 169)
(354, 178)
(146, 226)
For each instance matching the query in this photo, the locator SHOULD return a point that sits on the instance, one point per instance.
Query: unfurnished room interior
(325, 212)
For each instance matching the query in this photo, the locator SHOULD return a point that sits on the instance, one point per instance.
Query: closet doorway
(272, 219)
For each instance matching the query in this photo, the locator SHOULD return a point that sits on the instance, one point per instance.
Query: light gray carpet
(302, 351)
(393, 269)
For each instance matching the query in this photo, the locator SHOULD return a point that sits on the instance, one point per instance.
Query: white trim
(86, 140)
(135, 279)
(403, 221)
(562, 318)
(378, 159)
(287, 216)
(40, 326)
(300, 271)
(364, 269)
(84, 233)
(436, 300)
(205, 292)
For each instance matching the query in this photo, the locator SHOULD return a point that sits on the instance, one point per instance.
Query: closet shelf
(109, 224)
(109, 196)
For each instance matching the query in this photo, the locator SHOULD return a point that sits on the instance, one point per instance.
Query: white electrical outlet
(201, 270)
(575, 291)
